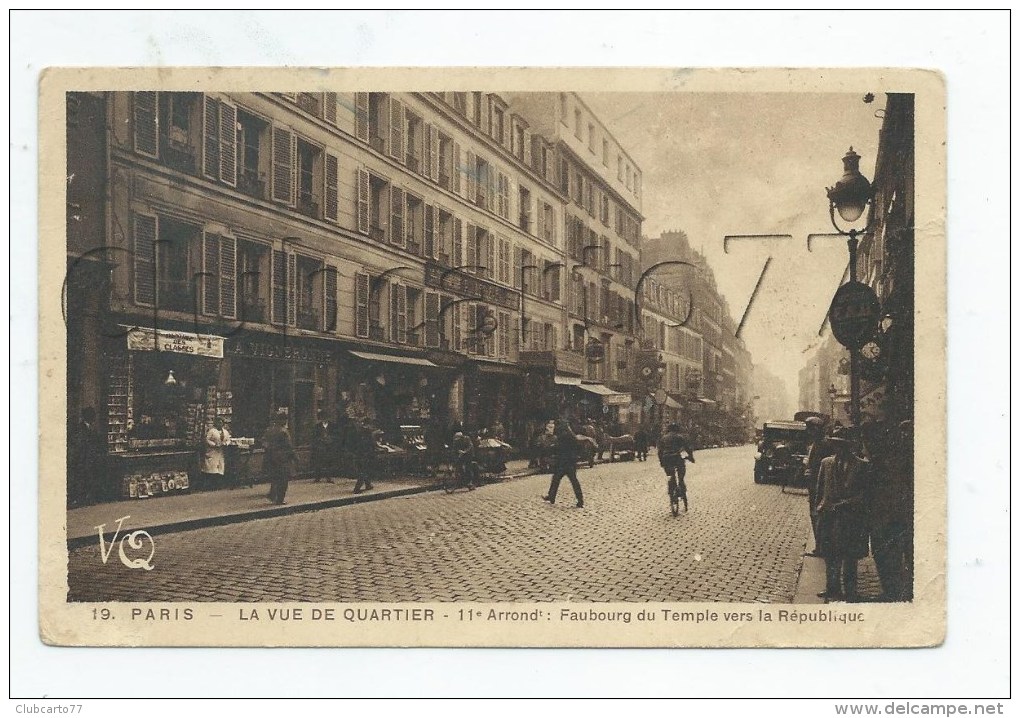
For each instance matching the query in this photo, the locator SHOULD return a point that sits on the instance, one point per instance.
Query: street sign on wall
(853, 314)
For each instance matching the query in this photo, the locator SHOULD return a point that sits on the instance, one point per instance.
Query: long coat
(279, 458)
(842, 524)
(213, 458)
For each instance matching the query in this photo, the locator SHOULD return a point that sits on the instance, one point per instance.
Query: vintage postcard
(492, 357)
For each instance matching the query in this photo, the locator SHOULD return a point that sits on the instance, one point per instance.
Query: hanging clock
(871, 351)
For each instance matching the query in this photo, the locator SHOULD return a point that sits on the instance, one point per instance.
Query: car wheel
(759, 476)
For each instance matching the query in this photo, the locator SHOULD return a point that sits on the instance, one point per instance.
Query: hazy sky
(738, 163)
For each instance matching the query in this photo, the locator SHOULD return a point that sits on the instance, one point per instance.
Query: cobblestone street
(739, 542)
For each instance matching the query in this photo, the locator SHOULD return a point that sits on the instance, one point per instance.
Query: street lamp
(849, 197)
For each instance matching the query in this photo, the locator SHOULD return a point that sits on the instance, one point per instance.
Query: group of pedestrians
(860, 489)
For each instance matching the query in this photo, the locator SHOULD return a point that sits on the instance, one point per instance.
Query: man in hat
(279, 457)
(842, 530)
(566, 453)
(818, 449)
(325, 441)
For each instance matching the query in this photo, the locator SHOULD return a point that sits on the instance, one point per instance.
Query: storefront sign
(466, 285)
(164, 340)
(616, 399)
(272, 350)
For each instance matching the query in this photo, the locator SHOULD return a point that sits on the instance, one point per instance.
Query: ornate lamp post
(854, 308)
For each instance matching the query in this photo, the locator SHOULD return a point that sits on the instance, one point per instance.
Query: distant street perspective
(738, 542)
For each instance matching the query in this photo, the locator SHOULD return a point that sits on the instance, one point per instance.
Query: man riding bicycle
(672, 447)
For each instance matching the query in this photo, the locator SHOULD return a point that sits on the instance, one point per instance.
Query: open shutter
(471, 176)
(429, 247)
(516, 269)
(431, 319)
(458, 327)
(291, 289)
(490, 255)
(458, 242)
(515, 338)
(361, 305)
(279, 271)
(361, 116)
(490, 188)
(211, 273)
(144, 259)
(401, 313)
(228, 144)
(504, 260)
(425, 169)
(458, 169)
(397, 217)
(490, 340)
(434, 159)
(329, 107)
(146, 123)
(363, 192)
(228, 277)
(283, 165)
(332, 186)
(471, 258)
(211, 137)
(397, 130)
(329, 299)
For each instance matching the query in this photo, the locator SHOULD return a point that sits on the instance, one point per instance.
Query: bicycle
(454, 473)
(676, 486)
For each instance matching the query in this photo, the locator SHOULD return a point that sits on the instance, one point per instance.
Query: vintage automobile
(781, 452)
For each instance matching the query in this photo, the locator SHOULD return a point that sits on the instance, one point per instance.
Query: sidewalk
(812, 578)
(190, 511)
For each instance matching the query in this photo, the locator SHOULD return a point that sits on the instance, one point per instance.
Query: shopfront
(492, 394)
(164, 388)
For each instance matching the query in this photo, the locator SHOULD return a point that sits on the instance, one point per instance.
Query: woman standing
(214, 461)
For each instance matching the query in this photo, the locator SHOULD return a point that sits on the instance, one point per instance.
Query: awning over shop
(567, 380)
(608, 395)
(672, 403)
(392, 359)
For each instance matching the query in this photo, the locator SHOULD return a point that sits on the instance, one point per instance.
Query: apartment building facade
(392, 256)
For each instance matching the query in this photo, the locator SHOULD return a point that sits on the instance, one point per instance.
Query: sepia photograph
(341, 333)
(494, 347)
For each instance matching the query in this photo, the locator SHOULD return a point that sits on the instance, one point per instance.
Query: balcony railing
(444, 180)
(413, 162)
(376, 333)
(308, 319)
(252, 184)
(253, 310)
(308, 206)
(378, 144)
(377, 233)
(180, 157)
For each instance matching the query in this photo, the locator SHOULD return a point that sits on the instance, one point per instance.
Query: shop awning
(608, 395)
(393, 359)
(567, 380)
(672, 403)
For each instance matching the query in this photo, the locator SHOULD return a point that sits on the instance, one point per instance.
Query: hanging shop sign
(165, 340)
(853, 314)
(594, 351)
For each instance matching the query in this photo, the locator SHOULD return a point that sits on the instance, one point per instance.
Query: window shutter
(329, 107)
(146, 123)
(211, 137)
(425, 169)
(397, 217)
(279, 271)
(490, 188)
(146, 231)
(291, 289)
(472, 178)
(458, 327)
(397, 130)
(434, 159)
(490, 340)
(361, 305)
(458, 242)
(228, 144)
(401, 313)
(211, 273)
(490, 255)
(458, 169)
(332, 185)
(363, 197)
(283, 165)
(361, 116)
(431, 319)
(472, 249)
(329, 299)
(515, 338)
(228, 277)
(504, 260)
(429, 246)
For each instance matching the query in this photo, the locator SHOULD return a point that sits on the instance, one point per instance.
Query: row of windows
(585, 131)
(584, 245)
(582, 190)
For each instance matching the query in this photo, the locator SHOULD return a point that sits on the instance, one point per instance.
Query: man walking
(324, 449)
(565, 457)
(842, 530)
(279, 457)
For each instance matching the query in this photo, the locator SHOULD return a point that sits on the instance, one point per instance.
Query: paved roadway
(739, 542)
